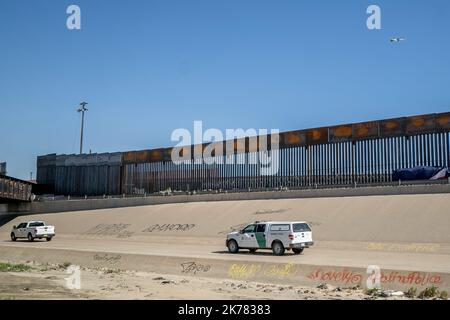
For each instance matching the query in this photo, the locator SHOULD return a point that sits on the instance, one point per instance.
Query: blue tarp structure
(420, 173)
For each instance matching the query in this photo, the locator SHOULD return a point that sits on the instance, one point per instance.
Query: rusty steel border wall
(358, 153)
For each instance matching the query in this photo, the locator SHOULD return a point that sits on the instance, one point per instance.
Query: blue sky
(149, 67)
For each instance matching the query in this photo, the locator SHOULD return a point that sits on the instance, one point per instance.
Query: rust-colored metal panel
(156, 155)
(252, 144)
(317, 136)
(136, 156)
(128, 157)
(420, 124)
(341, 133)
(264, 142)
(184, 152)
(197, 151)
(142, 156)
(292, 139)
(239, 145)
(366, 130)
(213, 148)
(167, 154)
(442, 121)
(393, 127)
(274, 141)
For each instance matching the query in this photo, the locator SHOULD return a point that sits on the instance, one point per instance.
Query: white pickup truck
(33, 230)
(276, 235)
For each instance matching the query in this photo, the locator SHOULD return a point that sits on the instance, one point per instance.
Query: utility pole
(82, 109)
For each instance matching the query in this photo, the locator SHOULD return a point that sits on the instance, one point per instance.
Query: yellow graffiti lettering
(238, 271)
(282, 271)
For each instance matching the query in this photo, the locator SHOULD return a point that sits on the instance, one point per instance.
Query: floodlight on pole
(82, 109)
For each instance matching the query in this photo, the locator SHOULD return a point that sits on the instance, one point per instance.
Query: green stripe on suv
(260, 239)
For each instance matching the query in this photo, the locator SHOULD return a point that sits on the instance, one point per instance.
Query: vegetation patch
(429, 292)
(65, 265)
(9, 267)
(372, 292)
(411, 293)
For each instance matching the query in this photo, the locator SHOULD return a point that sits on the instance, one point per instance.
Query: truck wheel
(278, 248)
(297, 251)
(13, 236)
(233, 246)
(30, 237)
(49, 238)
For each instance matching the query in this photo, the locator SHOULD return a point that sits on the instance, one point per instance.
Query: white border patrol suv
(276, 235)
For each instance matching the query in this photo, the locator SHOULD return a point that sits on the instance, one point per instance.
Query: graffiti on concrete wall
(270, 211)
(115, 229)
(243, 271)
(344, 276)
(194, 267)
(348, 277)
(169, 227)
(280, 270)
(110, 258)
(412, 247)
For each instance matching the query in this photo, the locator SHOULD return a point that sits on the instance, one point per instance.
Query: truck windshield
(301, 227)
(249, 229)
(36, 224)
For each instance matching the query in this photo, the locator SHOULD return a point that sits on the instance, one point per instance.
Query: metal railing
(14, 189)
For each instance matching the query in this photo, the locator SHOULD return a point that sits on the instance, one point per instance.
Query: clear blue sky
(149, 67)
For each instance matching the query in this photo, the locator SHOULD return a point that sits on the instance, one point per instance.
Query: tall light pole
(82, 109)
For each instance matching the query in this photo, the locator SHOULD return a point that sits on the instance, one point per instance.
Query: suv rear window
(280, 227)
(36, 224)
(301, 227)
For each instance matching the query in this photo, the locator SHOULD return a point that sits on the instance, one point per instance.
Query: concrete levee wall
(93, 204)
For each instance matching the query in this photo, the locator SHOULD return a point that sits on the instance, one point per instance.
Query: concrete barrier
(94, 204)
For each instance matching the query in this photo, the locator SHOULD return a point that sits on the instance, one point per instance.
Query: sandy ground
(47, 281)
(407, 236)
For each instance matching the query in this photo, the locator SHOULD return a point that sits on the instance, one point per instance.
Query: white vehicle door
(20, 231)
(302, 233)
(26, 230)
(260, 235)
(247, 238)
